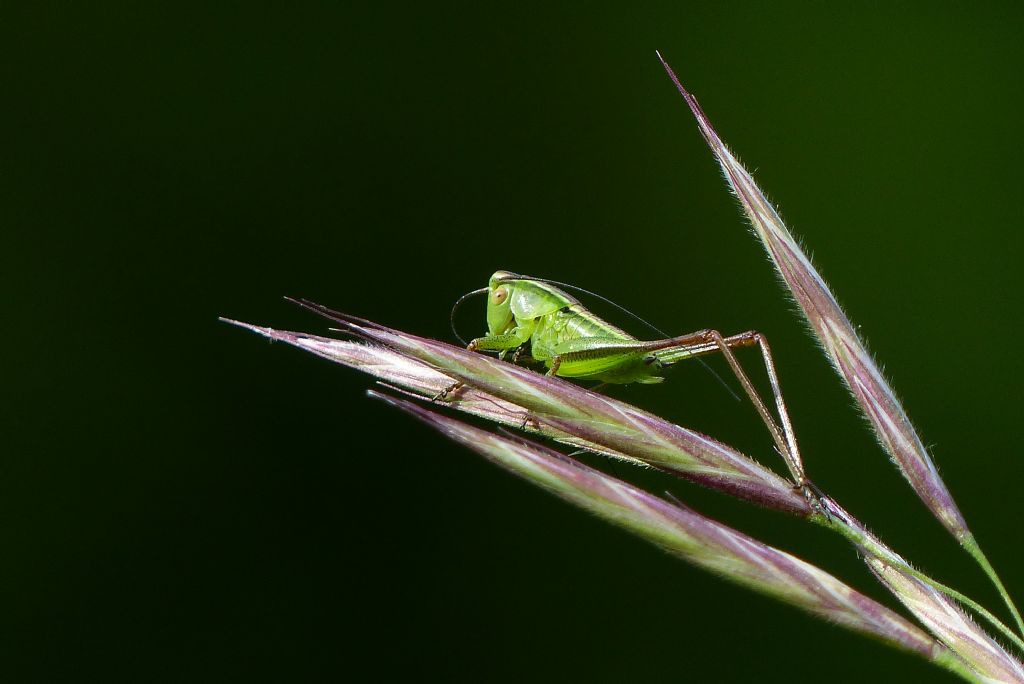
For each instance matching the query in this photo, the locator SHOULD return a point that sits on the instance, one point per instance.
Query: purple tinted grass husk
(399, 364)
(691, 536)
(518, 397)
(843, 347)
(570, 408)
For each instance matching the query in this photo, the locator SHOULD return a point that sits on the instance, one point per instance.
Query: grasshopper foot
(447, 394)
(530, 423)
(814, 496)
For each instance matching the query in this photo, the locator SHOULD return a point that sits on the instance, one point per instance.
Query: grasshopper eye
(499, 296)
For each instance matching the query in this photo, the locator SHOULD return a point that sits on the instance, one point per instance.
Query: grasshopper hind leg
(710, 341)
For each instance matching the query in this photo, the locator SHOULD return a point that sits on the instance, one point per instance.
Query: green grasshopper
(573, 342)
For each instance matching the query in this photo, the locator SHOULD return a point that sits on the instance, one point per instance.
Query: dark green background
(183, 502)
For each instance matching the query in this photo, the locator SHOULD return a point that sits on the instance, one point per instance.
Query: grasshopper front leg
(513, 339)
(516, 337)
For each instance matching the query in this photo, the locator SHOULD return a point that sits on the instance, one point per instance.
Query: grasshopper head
(499, 297)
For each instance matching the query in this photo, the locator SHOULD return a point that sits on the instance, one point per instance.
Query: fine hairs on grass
(415, 371)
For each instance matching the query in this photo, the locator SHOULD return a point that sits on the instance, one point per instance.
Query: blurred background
(183, 502)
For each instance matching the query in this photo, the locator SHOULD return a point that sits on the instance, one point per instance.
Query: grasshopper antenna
(455, 307)
(629, 313)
